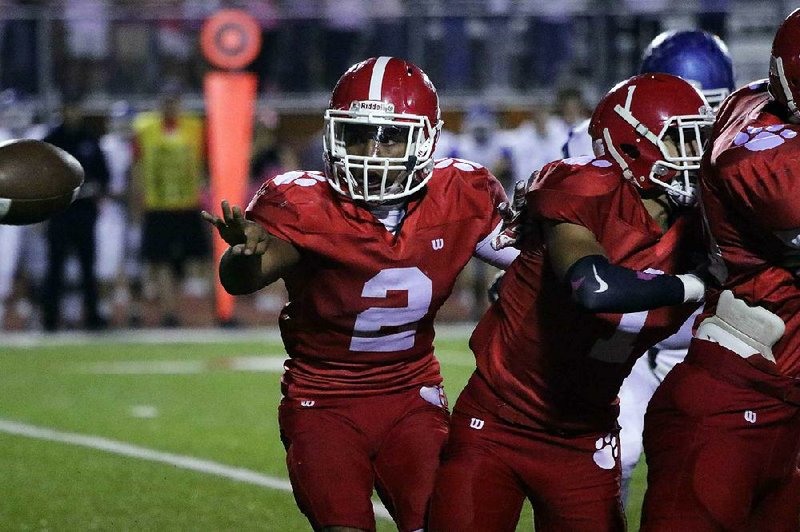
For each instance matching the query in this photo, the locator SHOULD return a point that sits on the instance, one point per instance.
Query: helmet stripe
(787, 92)
(376, 82)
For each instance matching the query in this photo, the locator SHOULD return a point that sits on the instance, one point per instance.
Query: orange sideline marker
(230, 40)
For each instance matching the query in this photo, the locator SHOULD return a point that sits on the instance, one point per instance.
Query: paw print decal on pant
(607, 451)
(763, 138)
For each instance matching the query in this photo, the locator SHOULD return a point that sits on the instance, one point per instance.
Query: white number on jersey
(366, 333)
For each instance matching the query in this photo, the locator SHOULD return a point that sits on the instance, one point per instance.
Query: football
(37, 180)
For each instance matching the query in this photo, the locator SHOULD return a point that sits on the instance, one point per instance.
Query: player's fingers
(261, 247)
(226, 212)
(238, 249)
(210, 218)
(213, 220)
(533, 177)
(504, 209)
(253, 235)
(519, 194)
(237, 215)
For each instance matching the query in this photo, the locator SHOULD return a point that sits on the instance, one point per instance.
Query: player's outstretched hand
(513, 228)
(243, 236)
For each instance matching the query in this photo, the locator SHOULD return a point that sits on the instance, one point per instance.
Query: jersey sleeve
(284, 204)
(571, 191)
(471, 190)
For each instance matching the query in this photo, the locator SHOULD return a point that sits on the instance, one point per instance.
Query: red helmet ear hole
(630, 150)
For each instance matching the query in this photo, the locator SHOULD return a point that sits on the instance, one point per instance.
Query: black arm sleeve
(599, 286)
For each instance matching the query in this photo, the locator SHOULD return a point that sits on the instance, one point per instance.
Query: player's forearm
(242, 274)
(599, 286)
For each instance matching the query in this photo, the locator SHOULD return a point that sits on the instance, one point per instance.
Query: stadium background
(110, 430)
(518, 60)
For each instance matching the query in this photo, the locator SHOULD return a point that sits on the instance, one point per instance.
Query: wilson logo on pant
(437, 243)
(476, 423)
(750, 416)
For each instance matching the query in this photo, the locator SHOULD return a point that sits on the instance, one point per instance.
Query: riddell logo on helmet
(361, 106)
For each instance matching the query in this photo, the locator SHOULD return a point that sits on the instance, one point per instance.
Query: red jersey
(555, 364)
(750, 187)
(362, 300)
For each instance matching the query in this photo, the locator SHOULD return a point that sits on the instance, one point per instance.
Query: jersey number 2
(367, 331)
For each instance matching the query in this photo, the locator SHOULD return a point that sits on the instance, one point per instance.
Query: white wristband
(694, 288)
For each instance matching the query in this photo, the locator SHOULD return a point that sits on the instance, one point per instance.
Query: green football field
(172, 431)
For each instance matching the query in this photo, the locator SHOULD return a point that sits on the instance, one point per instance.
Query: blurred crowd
(123, 47)
(109, 260)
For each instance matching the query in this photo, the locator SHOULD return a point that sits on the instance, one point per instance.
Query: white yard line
(253, 363)
(134, 451)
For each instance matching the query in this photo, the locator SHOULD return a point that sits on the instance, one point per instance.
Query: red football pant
(338, 449)
(491, 466)
(721, 456)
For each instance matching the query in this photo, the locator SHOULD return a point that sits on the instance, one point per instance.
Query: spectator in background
(480, 142)
(389, 28)
(19, 58)
(548, 39)
(299, 69)
(535, 142)
(269, 157)
(498, 51)
(88, 38)
(447, 145)
(712, 16)
(112, 223)
(631, 30)
(168, 181)
(571, 107)
(265, 65)
(345, 21)
(74, 229)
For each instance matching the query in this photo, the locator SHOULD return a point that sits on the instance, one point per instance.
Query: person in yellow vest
(169, 179)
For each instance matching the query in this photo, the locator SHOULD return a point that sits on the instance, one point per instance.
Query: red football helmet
(630, 125)
(784, 66)
(383, 100)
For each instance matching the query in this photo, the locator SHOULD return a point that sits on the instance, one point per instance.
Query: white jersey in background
(531, 147)
(578, 141)
(110, 232)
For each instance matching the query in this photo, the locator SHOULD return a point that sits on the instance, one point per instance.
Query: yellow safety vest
(171, 161)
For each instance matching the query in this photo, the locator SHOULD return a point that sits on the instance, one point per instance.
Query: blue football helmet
(697, 56)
